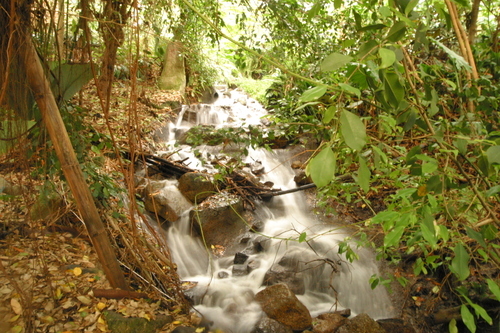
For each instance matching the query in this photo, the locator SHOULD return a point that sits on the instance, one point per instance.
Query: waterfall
(331, 282)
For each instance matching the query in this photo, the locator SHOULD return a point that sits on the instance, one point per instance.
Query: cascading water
(330, 282)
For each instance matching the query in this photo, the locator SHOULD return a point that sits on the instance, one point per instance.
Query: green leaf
(396, 32)
(495, 290)
(480, 311)
(477, 236)
(458, 59)
(493, 154)
(337, 3)
(493, 190)
(387, 56)
(329, 114)
(302, 237)
(394, 92)
(460, 263)
(334, 61)
(468, 318)
(313, 94)
(350, 89)
(363, 175)
(394, 236)
(429, 167)
(429, 233)
(452, 326)
(353, 130)
(322, 167)
(367, 48)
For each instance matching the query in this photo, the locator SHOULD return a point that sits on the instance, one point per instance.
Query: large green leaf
(396, 32)
(460, 263)
(493, 154)
(495, 290)
(353, 130)
(388, 57)
(394, 92)
(468, 318)
(322, 167)
(334, 61)
(313, 94)
(350, 89)
(458, 59)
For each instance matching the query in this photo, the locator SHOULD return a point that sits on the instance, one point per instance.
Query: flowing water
(331, 282)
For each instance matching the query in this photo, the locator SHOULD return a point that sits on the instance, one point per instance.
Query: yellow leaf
(200, 329)
(16, 329)
(85, 300)
(15, 318)
(16, 306)
(101, 306)
(100, 320)
(59, 293)
(77, 271)
(48, 319)
(177, 322)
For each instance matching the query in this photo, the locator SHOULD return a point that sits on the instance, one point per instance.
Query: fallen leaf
(84, 299)
(15, 318)
(100, 306)
(16, 306)
(177, 322)
(16, 329)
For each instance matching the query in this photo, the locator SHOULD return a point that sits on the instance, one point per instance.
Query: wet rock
(257, 168)
(280, 274)
(362, 323)
(240, 258)
(118, 323)
(395, 325)
(240, 270)
(328, 322)
(163, 198)
(223, 275)
(280, 304)
(301, 178)
(196, 187)
(268, 325)
(297, 165)
(219, 218)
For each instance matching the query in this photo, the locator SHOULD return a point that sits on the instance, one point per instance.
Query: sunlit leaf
(458, 59)
(493, 154)
(388, 57)
(322, 167)
(313, 94)
(393, 236)
(334, 61)
(396, 32)
(302, 237)
(468, 318)
(452, 326)
(350, 89)
(353, 130)
(460, 263)
(77, 271)
(480, 311)
(16, 306)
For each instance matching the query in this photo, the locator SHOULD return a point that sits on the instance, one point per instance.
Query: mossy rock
(120, 324)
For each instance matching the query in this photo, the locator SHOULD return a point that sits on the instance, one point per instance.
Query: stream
(330, 281)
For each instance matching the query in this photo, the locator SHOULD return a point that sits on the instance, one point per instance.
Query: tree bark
(474, 13)
(40, 87)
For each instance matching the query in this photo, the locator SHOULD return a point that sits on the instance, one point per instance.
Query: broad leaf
(322, 167)
(394, 92)
(367, 48)
(394, 236)
(480, 311)
(460, 263)
(458, 59)
(350, 89)
(353, 130)
(363, 175)
(329, 114)
(388, 57)
(313, 94)
(468, 318)
(493, 154)
(396, 32)
(335, 61)
(477, 236)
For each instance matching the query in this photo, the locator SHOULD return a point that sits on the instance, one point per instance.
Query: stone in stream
(196, 187)
(328, 322)
(279, 274)
(240, 258)
(281, 304)
(362, 323)
(161, 198)
(268, 325)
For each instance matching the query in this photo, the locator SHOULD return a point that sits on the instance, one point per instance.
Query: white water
(331, 282)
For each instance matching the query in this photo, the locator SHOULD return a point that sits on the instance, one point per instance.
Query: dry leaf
(16, 306)
(84, 299)
(100, 306)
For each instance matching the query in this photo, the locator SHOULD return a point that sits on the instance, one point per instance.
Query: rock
(362, 323)
(240, 258)
(163, 198)
(209, 96)
(280, 274)
(240, 270)
(268, 325)
(118, 323)
(395, 325)
(297, 165)
(184, 329)
(301, 178)
(280, 304)
(219, 218)
(328, 322)
(196, 187)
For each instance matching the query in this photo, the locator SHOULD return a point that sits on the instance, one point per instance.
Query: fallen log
(274, 193)
(118, 294)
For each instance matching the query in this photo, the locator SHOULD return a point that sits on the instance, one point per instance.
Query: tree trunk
(69, 164)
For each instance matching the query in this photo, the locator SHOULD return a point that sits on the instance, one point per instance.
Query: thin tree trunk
(70, 166)
(474, 13)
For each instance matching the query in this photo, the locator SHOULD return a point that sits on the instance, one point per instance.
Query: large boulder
(196, 187)
(163, 198)
(328, 322)
(268, 325)
(362, 323)
(219, 219)
(280, 304)
(280, 274)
